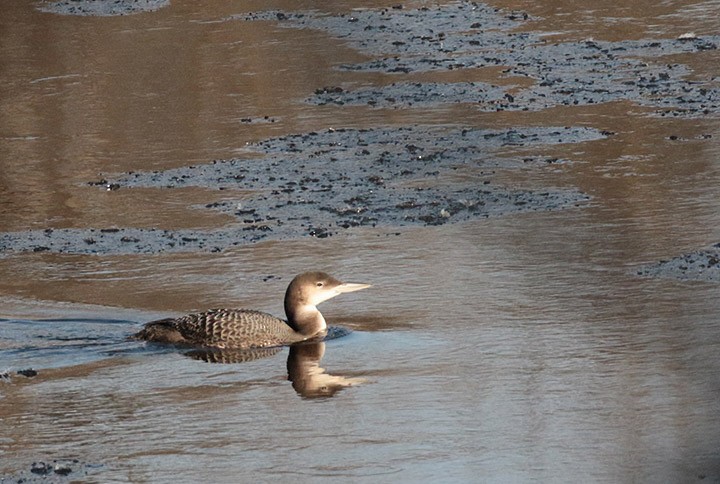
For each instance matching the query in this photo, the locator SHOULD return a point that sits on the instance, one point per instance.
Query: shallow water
(502, 350)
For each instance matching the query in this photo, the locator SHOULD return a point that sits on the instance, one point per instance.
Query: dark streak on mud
(700, 265)
(320, 184)
(409, 94)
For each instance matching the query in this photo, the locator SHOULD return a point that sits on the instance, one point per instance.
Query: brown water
(504, 350)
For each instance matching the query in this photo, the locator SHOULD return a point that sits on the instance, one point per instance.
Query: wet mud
(321, 184)
(699, 265)
(7, 376)
(417, 94)
(101, 8)
(549, 73)
(55, 470)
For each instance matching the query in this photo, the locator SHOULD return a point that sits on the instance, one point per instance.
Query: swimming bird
(246, 328)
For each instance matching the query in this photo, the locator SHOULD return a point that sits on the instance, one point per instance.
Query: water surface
(503, 350)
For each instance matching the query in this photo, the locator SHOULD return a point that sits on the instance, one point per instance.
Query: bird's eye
(319, 284)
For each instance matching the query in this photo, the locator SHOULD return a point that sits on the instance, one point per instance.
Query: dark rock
(29, 372)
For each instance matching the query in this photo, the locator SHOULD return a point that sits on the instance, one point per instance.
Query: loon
(246, 328)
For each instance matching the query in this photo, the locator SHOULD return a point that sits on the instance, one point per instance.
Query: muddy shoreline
(541, 73)
(101, 8)
(699, 265)
(322, 184)
(53, 470)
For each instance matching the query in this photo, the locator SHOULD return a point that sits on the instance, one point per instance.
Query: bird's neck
(306, 320)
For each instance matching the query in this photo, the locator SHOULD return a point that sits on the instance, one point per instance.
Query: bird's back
(222, 328)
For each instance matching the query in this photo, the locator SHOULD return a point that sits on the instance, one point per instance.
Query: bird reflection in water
(303, 365)
(310, 380)
(218, 355)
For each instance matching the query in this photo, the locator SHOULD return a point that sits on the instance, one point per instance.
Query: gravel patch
(321, 184)
(700, 265)
(467, 35)
(102, 8)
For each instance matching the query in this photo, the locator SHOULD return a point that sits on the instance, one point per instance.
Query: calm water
(504, 350)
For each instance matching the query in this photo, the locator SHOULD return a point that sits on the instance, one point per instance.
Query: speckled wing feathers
(228, 328)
